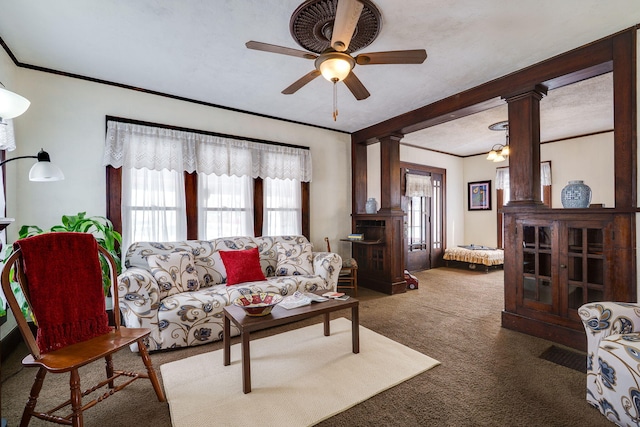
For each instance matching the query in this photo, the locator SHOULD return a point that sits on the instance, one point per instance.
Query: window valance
(418, 185)
(502, 176)
(139, 146)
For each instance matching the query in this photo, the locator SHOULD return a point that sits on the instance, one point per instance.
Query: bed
(474, 256)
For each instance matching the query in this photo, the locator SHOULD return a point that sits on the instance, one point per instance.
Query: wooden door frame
(436, 256)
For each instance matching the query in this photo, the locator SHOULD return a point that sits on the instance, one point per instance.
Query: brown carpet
(489, 376)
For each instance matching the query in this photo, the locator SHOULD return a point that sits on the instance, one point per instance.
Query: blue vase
(371, 206)
(576, 194)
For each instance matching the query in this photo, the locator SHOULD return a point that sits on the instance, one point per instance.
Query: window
(225, 206)
(153, 206)
(418, 223)
(282, 207)
(167, 184)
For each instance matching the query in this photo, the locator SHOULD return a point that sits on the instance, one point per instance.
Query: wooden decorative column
(390, 174)
(380, 255)
(524, 142)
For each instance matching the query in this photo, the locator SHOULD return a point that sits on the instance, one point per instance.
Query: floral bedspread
(475, 256)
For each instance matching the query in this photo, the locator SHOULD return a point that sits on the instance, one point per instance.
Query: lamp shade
(45, 171)
(335, 66)
(12, 104)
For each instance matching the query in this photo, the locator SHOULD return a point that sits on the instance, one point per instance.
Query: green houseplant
(101, 228)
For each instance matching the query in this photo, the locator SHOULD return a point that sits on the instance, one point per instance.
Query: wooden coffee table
(281, 316)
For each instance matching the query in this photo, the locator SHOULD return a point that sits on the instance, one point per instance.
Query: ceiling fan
(332, 30)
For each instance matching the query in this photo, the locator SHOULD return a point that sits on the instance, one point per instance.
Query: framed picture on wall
(479, 196)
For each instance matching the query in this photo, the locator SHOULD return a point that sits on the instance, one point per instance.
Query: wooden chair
(348, 278)
(74, 356)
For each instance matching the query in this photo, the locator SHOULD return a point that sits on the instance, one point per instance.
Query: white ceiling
(196, 49)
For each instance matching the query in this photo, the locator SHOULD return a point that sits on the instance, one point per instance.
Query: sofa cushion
(175, 272)
(294, 259)
(242, 266)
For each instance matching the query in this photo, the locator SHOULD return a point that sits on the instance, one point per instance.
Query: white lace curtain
(282, 210)
(225, 206)
(502, 176)
(418, 185)
(7, 136)
(154, 148)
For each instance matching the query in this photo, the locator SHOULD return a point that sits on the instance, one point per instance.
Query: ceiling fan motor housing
(311, 25)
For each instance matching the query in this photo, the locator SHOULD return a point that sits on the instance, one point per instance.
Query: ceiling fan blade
(356, 87)
(266, 47)
(301, 82)
(347, 16)
(416, 56)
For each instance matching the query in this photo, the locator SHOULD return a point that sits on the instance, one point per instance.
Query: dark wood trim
(114, 197)
(438, 151)
(436, 254)
(358, 178)
(306, 213)
(258, 206)
(524, 135)
(624, 119)
(583, 135)
(149, 91)
(390, 174)
(191, 202)
(570, 67)
(567, 336)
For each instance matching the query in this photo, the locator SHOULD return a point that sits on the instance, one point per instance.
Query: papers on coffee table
(299, 299)
(333, 294)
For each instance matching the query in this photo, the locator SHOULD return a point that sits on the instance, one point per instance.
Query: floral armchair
(613, 359)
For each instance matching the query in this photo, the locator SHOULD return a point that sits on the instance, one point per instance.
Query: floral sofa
(178, 289)
(613, 359)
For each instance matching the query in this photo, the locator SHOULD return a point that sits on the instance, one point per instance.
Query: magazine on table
(299, 299)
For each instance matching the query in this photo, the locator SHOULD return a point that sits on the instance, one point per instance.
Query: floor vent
(568, 358)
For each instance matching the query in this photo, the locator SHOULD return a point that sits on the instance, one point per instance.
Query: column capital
(537, 91)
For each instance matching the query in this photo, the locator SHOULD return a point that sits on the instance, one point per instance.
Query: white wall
(67, 119)
(587, 158)
(480, 227)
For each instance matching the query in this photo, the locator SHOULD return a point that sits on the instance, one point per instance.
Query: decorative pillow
(242, 266)
(175, 272)
(294, 259)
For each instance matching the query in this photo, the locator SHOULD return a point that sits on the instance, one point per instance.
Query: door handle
(563, 266)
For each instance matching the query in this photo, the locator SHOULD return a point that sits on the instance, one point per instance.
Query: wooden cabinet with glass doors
(562, 263)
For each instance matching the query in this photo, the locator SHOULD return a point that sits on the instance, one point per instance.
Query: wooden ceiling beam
(578, 64)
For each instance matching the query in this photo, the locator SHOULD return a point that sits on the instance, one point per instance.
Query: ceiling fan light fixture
(335, 66)
(492, 155)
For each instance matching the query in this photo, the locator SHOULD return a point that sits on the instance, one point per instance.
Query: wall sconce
(43, 170)
(500, 152)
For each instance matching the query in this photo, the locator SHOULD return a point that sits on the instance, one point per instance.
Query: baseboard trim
(558, 334)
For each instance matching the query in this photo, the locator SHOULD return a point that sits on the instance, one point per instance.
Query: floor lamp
(43, 170)
(12, 105)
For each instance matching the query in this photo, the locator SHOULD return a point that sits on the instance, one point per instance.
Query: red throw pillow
(242, 266)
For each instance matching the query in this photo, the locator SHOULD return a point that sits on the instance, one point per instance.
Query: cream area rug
(298, 378)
